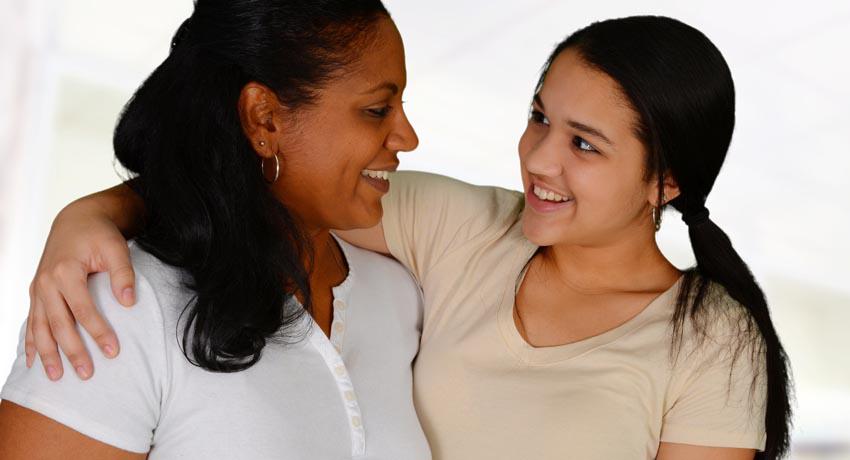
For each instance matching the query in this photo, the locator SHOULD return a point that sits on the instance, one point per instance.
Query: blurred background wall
(68, 66)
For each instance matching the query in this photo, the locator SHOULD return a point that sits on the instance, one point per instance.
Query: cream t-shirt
(482, 392)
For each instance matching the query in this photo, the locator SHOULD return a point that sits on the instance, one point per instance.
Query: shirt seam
(73, 419)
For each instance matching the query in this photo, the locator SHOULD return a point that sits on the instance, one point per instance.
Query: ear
(259, 113)
(671, 190)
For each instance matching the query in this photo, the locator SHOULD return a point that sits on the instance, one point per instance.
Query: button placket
(346, 389)
(331, 350)
(338, 325)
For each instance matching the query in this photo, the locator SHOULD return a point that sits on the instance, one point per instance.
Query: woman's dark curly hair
(209, 211)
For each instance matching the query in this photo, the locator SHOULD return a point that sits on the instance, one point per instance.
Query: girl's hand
(83, 240)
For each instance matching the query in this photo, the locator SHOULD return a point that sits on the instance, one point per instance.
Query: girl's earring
(656, 213)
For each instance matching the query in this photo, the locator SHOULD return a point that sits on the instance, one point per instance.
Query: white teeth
(548, 195)
(384, 175)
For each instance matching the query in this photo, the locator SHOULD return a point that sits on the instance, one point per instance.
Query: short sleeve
(718, 392)
(120, 404)
(427, 216)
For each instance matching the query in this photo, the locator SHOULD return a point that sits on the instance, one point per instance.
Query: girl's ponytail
(718, 261)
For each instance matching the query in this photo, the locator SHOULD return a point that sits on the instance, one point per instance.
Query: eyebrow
(577, 125)
(388, 85)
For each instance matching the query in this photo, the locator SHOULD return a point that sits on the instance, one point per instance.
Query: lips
(538, 198)
(375, 174)
(548, 195)
(378, 178)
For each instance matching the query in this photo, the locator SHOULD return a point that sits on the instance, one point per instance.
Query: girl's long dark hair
(680, 86)
(210, 212)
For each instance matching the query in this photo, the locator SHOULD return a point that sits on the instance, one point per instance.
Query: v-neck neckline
(532, 355)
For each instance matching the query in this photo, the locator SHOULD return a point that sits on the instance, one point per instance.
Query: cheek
(312, 178)
(608, 194)
(530, 137)
(526, 144)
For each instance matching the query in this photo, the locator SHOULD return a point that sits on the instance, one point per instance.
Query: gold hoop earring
(276, 169)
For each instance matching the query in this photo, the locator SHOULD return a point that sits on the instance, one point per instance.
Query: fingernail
(127, 296)
(109, 351)
(52, 373)
(82, 372)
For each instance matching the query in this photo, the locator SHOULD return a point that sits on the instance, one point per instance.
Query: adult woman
(222, 360)
(554, 327)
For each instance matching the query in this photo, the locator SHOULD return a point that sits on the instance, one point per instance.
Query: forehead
(381, 60)
(575, 91)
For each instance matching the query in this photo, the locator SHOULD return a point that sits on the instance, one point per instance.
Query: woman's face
(582, 163)
(330, 151)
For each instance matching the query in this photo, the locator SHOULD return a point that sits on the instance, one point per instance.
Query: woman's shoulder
(378, 270)
(159, 287)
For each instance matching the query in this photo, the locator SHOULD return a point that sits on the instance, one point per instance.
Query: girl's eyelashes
(583, 145)
(537, 116)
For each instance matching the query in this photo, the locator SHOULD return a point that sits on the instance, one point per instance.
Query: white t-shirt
(346, 397)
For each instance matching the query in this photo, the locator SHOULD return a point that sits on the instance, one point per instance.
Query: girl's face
(330, 150)
(582, 163)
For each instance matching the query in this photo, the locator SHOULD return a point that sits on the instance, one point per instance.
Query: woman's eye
(380, 112)
(583, 145)
(537, 116)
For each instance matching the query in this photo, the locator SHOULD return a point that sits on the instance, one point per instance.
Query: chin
(536, 234)
(368, 216)
(542, 233)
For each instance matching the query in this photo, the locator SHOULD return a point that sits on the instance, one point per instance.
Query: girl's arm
(372, 239)
(674, 451)
(88, 236)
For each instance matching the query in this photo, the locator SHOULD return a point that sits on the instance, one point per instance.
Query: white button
(355, 422)
(340, 370)
(338, 348)
(338, 326)
(339, 304)
(349, 395)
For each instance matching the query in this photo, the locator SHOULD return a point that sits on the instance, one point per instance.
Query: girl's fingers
(63, 329)
(45, 345)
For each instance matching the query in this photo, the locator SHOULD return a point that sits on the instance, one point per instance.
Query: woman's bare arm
(88, 236)
(26, 434)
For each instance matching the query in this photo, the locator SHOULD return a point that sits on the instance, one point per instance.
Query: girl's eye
(380, 112)
(583, 145)
(537, 116)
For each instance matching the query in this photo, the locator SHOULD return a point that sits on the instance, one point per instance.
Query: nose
(546, 158)
(403, 137)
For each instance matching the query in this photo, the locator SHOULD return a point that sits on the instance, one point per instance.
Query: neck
(327, 256)
(632, 262)
(327, 268)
